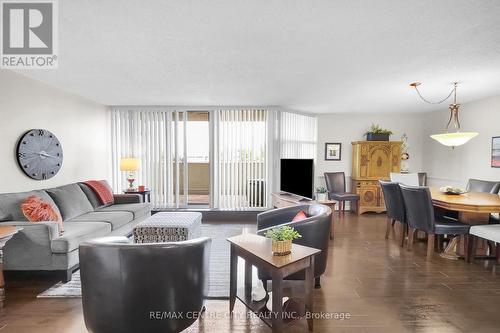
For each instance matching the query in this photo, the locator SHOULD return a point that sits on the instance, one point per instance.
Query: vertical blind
(240, 159)
(144, 134)
(297, 135)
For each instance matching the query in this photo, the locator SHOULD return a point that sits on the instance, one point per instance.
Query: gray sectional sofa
(40, 247)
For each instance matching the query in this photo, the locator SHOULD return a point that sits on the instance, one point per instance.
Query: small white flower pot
(321, 196)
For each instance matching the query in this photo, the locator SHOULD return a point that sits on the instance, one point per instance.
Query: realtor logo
(29, 34)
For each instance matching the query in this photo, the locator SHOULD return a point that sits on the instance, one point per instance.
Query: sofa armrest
(127, 198)
(40, 232)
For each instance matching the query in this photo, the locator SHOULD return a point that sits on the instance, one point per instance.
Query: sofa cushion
(4, 216)
(71, 201)
(116, 219)
(77, 232)
(138, 209)
(93, 199)
(10, 203)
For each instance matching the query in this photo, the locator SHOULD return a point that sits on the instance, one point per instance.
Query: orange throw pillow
(37, 210)
(102, 190)
(300, 216)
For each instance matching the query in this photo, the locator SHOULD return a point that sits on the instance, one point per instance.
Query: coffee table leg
(248, 278)
(309, 281)
(233, 278)
(277, 314)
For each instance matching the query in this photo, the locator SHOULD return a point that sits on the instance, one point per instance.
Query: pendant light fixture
(451, 139)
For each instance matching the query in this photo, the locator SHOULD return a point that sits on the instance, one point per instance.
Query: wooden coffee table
(256, 251)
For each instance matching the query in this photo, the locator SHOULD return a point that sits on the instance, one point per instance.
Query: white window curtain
(240, 158)
(144, 134)
(297, 135)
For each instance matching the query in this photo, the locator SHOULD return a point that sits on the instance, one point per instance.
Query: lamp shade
(454, 139)
(129, 164)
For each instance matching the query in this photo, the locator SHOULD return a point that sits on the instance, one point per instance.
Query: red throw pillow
(37, 210)
(300, 216)
(102, 190)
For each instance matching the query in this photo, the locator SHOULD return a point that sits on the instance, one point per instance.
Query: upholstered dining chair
(420, 216)
(411, 179)
(478, 185)
(335, 184)
(125, 284)
(395, 208)
(422, 178)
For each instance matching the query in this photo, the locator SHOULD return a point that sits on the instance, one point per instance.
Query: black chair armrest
(278, 216)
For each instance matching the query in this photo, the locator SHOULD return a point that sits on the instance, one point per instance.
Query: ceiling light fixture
(455, 138)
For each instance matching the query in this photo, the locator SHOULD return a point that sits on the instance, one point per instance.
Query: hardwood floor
(384, 289)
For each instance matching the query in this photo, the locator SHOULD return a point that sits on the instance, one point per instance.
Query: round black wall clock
(39, 154)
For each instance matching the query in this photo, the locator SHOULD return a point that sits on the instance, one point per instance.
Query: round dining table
(472, 208)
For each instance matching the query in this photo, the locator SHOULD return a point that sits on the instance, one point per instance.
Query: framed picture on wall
(333, 151)
(495, 152)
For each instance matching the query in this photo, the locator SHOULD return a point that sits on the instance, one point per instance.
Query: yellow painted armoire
(371, 161)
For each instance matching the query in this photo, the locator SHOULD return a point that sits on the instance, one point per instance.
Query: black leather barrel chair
(420, 216)
(335, 184)
(478, 185)
(315, 231)
(130, 288)
(395, 208)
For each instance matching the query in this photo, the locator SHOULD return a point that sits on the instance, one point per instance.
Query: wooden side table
(6, 233)
(256, 251)
(145, 194)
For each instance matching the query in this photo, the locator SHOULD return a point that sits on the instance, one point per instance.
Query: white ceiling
(317, 56)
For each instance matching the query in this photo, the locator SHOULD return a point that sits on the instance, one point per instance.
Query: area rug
(219, 264)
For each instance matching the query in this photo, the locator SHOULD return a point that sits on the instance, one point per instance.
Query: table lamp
(130, 164)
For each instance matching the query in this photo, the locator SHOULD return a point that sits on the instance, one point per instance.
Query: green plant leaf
(283, 233)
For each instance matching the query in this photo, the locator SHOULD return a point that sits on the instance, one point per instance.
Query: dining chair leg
(404, 226)
(439, 243)
(472, 248)
(388, 228)
(497, 251)
(411, 231)
(430, 245)
(467, 246)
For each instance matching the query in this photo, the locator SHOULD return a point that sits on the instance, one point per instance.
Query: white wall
(472, 160)
(80, 125)
(346, 128)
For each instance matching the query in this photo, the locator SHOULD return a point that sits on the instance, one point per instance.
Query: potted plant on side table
(282, 239)
(377, 133)
(321, 193)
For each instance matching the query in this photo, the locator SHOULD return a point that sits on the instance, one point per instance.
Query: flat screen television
(297, 176)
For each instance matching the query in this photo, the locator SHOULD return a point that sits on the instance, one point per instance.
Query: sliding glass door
(217, 158)
(192, 162)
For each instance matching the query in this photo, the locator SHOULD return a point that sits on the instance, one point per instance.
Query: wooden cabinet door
(396, 158)
(379, 160)
(368, 195)
(364, 157)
